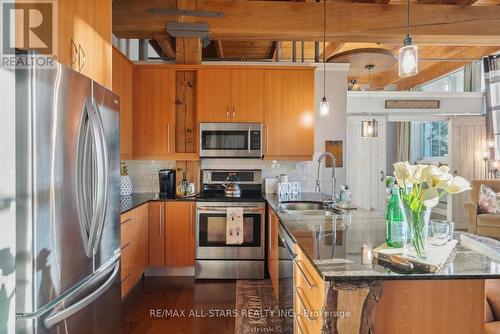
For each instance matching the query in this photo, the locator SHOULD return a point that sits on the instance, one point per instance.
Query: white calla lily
(437, 177)
(430, 197)
(402, 172)
(418, 174)
(457, 185)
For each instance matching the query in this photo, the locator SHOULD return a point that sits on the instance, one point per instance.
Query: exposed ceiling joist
(348, 22)
(166, 43)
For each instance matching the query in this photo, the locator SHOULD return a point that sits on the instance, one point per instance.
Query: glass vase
(418, 232)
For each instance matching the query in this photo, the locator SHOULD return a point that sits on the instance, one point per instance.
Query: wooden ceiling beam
(348, 22)
(430, 70)
(166, 43)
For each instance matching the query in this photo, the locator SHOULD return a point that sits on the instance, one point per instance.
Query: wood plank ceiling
(449, 33)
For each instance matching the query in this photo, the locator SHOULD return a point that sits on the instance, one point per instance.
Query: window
(452, 82)
(435, 139)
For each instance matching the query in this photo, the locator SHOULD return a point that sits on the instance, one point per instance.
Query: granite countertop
(134, 200)
(333, 244)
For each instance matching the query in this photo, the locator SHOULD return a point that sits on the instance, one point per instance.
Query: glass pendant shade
(369, 128)
(324, 107)
(408, 60)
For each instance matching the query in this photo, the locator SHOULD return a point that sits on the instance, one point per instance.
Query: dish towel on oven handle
(234, 226)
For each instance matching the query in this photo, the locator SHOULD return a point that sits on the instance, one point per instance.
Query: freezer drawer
(94, 309)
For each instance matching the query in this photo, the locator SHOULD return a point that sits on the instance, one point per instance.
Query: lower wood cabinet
(172, 234)
(180, 232)
(272, 250)
(156, 234)
(134, 246)
(309, 295)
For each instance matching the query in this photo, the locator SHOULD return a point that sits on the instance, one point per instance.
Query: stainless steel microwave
(231, 140)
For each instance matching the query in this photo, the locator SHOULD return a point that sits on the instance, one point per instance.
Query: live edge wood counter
(342, 295)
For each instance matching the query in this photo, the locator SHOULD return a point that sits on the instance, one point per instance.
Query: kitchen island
(330, 267)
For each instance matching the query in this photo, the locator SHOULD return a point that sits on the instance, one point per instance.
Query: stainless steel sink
(301, 206)
(306, 208)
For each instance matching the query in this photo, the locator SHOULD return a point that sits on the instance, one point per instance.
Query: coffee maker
(167, 183)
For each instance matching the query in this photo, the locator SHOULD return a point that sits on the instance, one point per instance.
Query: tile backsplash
(144, 173)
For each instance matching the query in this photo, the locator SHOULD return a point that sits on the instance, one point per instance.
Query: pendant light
(408, 54)
(324, 107)
(369, 128)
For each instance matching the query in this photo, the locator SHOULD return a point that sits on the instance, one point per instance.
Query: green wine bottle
(396, 232)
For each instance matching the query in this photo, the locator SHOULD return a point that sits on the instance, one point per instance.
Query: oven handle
(207, 209)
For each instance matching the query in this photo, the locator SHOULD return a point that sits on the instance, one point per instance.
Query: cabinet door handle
(234, 111)
(84, 57)
(267, 138)
(299, 326)
(75, 54)
(127, 246)
(191, 220)
(309, 284)
(168, 137)
(161, 219)
(307, 307)
(128, 220)
(227, 112)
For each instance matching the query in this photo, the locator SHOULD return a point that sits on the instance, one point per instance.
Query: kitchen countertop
(333, 244)
(135, 200)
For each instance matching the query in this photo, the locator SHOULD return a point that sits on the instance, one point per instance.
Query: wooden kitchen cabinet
(289, 114)
(180, 234)
(154, 113)
(157, 234)
(231, 95)
(272, 251)
(247, 95)
(134, 247)
(122, 85)
(84, 38)
(214, 95)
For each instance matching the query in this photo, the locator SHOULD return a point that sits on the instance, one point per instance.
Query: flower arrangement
(421, 188)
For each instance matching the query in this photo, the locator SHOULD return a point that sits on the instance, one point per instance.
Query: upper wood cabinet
(289, 114)
(214, 95)
(231, 95)
(122, 85)
(154, 113)
(180, 234)
(84, 38)
(247, 95)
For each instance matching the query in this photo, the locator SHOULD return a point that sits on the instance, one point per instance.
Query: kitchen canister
(125, 180)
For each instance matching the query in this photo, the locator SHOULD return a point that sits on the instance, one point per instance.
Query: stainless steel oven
(215, 258)
(231, 140)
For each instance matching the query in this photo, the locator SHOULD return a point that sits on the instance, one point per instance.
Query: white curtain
(403, 141)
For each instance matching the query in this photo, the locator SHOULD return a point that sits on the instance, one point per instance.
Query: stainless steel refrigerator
(67, 204)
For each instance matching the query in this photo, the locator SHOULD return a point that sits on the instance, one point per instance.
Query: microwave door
(230, 140)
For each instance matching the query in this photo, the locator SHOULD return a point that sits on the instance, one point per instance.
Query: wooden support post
(359, 299)
(185, 112)
(187, 49)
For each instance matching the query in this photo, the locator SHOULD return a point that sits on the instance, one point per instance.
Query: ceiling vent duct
(179, 29)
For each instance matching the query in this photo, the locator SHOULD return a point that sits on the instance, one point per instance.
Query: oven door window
(224, 140)
(212, 230)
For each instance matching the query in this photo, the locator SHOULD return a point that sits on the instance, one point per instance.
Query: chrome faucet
(334, 178)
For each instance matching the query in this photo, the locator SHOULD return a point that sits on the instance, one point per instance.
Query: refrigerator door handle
(102, 167)
(92, 177)
(55, 318)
